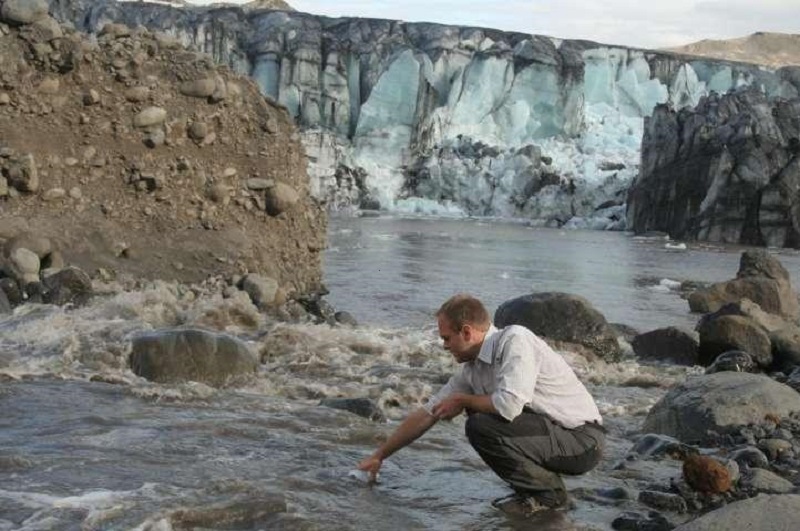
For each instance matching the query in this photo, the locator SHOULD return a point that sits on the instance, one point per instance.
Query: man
(530, 418)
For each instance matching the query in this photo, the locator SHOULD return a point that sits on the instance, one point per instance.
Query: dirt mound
(770, 49)
(134, 156)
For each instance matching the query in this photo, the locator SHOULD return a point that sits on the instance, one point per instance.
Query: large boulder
(764, 513)
(734, 332)
(561, 317)
(668, 344)
(170, 356)
(720, 403)
(20, 12)
(70, 285)
(761, 278)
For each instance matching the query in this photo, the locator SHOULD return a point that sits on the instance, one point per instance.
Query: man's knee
(479, 426)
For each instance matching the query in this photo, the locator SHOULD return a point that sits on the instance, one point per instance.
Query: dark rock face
(5, 305)
(726, 171)
(70, 285)
(169, 356)
(734, 332)
(561, 317)
(733, 361)
(671, 343)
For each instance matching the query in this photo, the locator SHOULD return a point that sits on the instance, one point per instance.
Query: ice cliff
(440, 119)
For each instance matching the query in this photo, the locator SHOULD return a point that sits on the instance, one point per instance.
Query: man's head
(463, 323)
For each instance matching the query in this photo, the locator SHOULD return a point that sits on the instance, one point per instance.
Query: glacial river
(87, 445)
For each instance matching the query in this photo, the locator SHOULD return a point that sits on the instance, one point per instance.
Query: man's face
(460, 343)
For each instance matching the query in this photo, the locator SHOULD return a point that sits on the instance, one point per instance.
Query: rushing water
(85, 444)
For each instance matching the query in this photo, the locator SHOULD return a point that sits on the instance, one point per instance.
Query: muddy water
(85, 444)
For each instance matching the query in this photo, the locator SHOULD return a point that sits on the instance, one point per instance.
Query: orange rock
(706, 475)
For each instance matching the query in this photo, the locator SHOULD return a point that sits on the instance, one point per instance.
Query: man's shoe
(520, 505)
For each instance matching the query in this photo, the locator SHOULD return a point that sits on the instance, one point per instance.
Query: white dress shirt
(519, 369)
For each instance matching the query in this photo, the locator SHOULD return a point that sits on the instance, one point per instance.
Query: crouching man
(529, 417)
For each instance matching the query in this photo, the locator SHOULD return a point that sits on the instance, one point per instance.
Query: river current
(87, 445)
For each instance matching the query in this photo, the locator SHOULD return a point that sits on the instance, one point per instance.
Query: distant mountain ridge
(255, 4)
(769, 49)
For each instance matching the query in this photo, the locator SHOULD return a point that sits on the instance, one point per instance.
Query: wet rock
(766, 481)
(732, 361)
(720, 403)
(765, 513)
(363, 407)
(663, 501)
(11, 290)
(21, 12)
(706, 475)
(280, 198)
(561, 317)
(345, 318)
(734, 332)
(761, 278)
(170, 356)
(671, 343)
(70, 285)
(5, 304)
(750, 457)
(774, 448)
(23, 265)
(634, 521)
(658, 445)
(262, 290)
(785, 348)
(319, 308)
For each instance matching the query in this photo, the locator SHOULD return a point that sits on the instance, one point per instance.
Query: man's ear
(467, 332)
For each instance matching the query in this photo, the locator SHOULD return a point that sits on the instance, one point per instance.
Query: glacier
(453, 121)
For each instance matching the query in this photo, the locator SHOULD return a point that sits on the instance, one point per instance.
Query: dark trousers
(531, 451)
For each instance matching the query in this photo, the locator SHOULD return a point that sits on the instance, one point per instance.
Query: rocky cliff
(127, 154)
(431, 118)
(726, 171)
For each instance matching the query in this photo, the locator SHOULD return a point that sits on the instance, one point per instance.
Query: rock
(262, 290)
(257, 184)
(197, 131)
(671, 343)
(663, 501)
(765, 481)
(721, 403)
(54, 194)
(633, 521)
(280, 198)
(5, 304)
(561, 317)
(137, 94)
(5, 99)
(21, 12)
(761, 279)
(658, 445)
(12, 291)
(23, 265)
(363, 407)
(706, 475)
(734, 361)
(345, 318)
(198, 88)
(734, 332)
(116, 31)
(155, 138)
(22, 174)
(50, 86)
(172, 356)
(70, 285)
(774, 448)
(91, 97)
(3, 187)
(764, 513)
(785, 348)
(150, 117)
(750, 457)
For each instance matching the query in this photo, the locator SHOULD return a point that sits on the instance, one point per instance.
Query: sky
(636, 23)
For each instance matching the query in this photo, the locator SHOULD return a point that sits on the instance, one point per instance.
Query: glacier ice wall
(434, 119)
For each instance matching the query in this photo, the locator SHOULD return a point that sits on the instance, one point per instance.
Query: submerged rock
(171, 356)
(363, 407)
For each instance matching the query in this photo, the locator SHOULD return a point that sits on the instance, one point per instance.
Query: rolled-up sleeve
(515, 376)
(456, 384)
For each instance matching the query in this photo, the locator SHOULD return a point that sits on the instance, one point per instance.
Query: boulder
(734, 332)
(671, 343)
(363, 407)
(761, 278)
(5, 304)
(785, 348)
(179, 355)
(11, 290)
(765, 481)
(765, 513)
(262, 290)
(20, 12)
(70, 285)
(719, 403)
(23, 265)
(561, 317)
(198, 88)
(150, 117)
(280, 198)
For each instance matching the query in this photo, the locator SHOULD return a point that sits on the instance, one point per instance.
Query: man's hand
(450, 407)
(371, 465)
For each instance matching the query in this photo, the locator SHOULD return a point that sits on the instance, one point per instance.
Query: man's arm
(417, 423)
(457, 402)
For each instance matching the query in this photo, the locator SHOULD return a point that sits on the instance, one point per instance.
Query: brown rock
(137, 94)
(706, 475)
(280, 198)
(199, 88)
